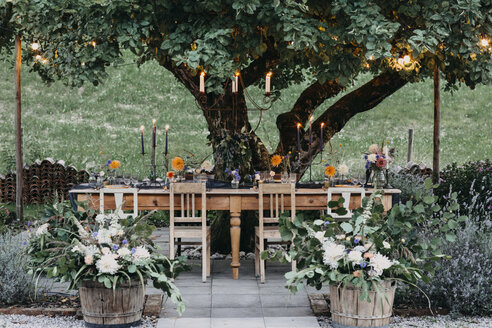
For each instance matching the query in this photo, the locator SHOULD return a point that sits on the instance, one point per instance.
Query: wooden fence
(42, 181)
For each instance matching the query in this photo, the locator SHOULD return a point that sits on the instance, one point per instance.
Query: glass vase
(235, 183)
(379, 179)
(284, 177)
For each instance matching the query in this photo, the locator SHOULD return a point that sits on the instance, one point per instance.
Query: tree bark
(335, 117)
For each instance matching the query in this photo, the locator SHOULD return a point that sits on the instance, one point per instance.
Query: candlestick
(142, 140)
(299, 137)
(154, 130)
(321, 142)
(202, 82)
(267, 83)
(233, 87)
(167, 128)
(310, 130)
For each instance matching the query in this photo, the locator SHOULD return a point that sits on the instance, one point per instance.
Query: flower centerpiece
(330, 172)
(178, 165)
(377, 161)
(236, 178)
(111, 166)
(364, 257)
(103, 251)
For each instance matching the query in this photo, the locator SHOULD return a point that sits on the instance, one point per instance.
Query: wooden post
(410, 145)
(19, 191)
(437, 124)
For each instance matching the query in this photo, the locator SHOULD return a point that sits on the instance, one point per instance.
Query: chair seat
(189, 231)
(268, 232)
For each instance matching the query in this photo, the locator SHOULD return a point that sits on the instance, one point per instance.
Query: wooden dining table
(226, 199)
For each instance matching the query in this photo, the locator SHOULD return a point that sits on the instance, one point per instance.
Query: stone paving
(224, 302)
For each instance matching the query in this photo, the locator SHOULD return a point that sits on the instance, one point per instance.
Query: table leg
(235, 209)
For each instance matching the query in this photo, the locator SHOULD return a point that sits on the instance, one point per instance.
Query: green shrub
(6, 218)
(408, 183)
(472, 182)
(16, 284)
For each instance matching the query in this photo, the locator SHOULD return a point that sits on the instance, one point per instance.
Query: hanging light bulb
(35, 45)
(38, 57)
(406, 59)
(93, 43)
(484, 42)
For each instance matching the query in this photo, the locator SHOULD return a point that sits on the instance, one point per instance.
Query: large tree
(325, 43)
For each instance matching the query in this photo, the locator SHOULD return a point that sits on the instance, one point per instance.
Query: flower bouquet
(103, 250)
(366, 255)
(377, 161)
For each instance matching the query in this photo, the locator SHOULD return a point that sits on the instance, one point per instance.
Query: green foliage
(408, 183)
(472, 182)
(323, 248)
(6, 218)
(329, 39)
(72, 246)
(16, 285)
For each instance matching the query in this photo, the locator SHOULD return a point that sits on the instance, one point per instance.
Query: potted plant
(107, 258)
(362, 259)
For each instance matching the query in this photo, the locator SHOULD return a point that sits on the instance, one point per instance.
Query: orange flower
(178, 163)
(276, 160)
(114, 165)
(170, 174)
(330, 171)
(357, 273)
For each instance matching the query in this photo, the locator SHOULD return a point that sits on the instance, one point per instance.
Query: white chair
(275, 195)
(186, 196)
(118, 194)
(346, 194)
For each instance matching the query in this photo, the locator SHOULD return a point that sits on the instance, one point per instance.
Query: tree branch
(335, 117)
(304, 107)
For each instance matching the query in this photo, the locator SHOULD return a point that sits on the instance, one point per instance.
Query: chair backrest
(185, 195)
(346, 194)
(118, 199)
(275, 194)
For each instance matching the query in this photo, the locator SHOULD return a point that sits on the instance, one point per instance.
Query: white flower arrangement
(373, 149)
(107, 264)
(372, 158)
(333, 252)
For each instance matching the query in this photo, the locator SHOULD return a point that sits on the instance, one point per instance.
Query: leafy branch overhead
(323, 44)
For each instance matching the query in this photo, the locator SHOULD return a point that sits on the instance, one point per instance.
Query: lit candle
(237, 82)
(321, 142)
(310, 130)
(267, 83)
(202, 82)
(165, 150)
(154, 130)
(142, 139)
(233, 87)
(299, 137)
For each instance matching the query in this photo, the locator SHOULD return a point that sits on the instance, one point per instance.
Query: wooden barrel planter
(347, 310)
(102, 308)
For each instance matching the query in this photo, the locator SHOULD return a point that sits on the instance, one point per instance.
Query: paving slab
(291, 322)
(238, 323)
(237, 312)
(235, 301)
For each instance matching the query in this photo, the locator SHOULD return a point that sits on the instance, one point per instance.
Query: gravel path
(444, 321)
(24, 321)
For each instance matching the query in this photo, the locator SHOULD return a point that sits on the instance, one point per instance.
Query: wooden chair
(275, 195)
(118, 194)
(185, 194)
(346, 194)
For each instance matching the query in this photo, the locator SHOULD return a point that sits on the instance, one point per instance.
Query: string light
(35, 45)
(484, 42)
(406, 59)
(93, 43)
(38, 57)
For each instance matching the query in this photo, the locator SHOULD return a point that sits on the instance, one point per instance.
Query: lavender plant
(15, 283)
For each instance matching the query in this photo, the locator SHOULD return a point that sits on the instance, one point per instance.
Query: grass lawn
(100, 123)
